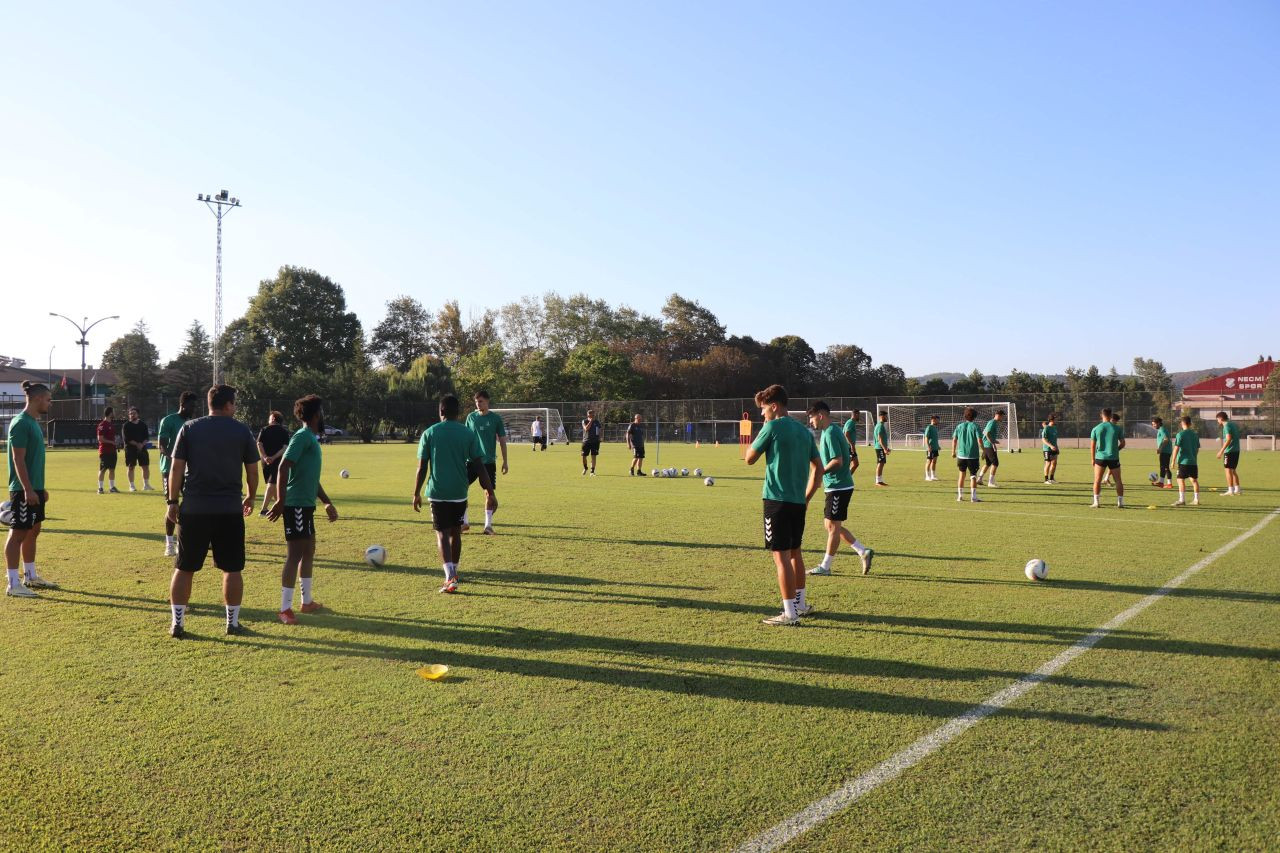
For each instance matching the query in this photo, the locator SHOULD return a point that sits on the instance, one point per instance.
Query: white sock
(959, 491)
(168, 540)
(286, 598)
(789, 607)
(113, 482)
(29, 569)
(826, 561)
(1195, 494)
(858, 548)
(991, 481)
(1119, 500)
(465, 520)
(1182, 493)
(879, 479)
(306, 590)
(800, 599)
(14, 579)
(179, 610)
(146, 483)
(973, 491)
(450, 569)
(488, 518)
(233, 614)
(1095, 498)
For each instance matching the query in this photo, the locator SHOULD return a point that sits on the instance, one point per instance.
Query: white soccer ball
(344, 473)
(697, 472)
(1153, 477)
(709, 482)
(684, 472)
(375, 555)
(6, 513)
(656, 472)
(1036, 570)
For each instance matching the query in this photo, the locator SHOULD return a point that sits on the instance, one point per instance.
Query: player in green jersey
(1105, 443)
(932, 449)
(990, 448)
(1229, 453)
(492, 432)
(27, 494)
(1187, 445)
(837, 482)
(166, 435)
(1049, 444)
(966, 448)
(1164, 453)
(880, 438)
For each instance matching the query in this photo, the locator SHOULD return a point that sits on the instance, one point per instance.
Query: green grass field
(612, 688)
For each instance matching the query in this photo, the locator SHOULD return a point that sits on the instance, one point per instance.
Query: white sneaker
(1179, 502)
(820, 570)
(170, 549)
(1196, 502)
(803, 611)
(1053, 482)
(781, 619)
(975, 500)
(992, 486)
(148, 488)
(131, 488)
(38, 582)
(488, 531)
(867, 556)
(1094, 505)
(20, 591)
(959, 499)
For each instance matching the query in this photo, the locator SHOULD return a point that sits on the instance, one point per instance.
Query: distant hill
(1180, 379)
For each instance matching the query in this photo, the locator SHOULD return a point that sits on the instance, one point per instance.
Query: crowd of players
(202, 460)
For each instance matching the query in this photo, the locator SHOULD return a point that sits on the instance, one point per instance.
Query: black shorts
(26, 517)
(881, 456)
(991, 457)
(540, 440)
(970, 465)
(107, 461)
(299, 522)
(638, 452)
(1188, 472)
(1113, 464)
(837, 508)
(473, 472)
(269, 471)
(1164, 463)
(221, 532)
(931, 454)
(853, 452)
(591, 446)
(1230, 461)
(136, 456)
(1050, 455)
(783, 525)
(446, 515)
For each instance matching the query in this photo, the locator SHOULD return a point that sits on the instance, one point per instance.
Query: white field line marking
(844, 796)
(1101, 515)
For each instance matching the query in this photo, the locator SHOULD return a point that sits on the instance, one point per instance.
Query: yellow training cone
(434, 672)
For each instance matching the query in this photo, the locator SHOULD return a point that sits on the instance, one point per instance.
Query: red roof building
(1238, 393)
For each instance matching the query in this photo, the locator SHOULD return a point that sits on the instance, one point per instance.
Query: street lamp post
(51, 349)
(83, 342)
(220, 205)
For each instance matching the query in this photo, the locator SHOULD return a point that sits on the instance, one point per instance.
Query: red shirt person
(107, 450)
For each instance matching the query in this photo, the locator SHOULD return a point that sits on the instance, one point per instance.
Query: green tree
(974, 383)
(136, 364)
(719, 373)
(242, 349)
(428, 378)
(456, 338)
(540, 377)
(575, 321)
(192, 369)
(842, 370)
(485, 368)
(794, 361)
(691, 329)
(601, 374)
(1271, 401)
(523, 327)
(403, 335)
(301, 316)
(1156, 381)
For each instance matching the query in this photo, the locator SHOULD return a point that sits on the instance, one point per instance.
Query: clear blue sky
(948, 185)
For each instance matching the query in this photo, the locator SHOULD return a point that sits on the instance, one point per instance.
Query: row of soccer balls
(682, 472)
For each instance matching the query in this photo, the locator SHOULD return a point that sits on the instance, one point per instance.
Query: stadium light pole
(82, 343)
(220, 205)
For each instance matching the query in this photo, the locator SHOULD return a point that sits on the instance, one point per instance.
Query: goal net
(908, 420)
(1259, 442)
(519, 424)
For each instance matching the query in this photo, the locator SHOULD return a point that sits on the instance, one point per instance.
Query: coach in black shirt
(135, 449)
(272, 441)
(208, 455)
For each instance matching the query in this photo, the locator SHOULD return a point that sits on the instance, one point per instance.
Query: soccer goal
(519, 424)
(1264, 442)
(908, 420)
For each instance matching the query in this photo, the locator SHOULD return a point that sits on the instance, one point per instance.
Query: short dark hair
(33, 388)
(970, 413)
(933, 417)
(1053, 418)
(819, 406)
(133, 408)
(884, 416)
(108, 412)
(1106, 413)
(998, 413)
(187, 400)
(1158, 421)
(773, 394)
(220, 396)
(480, 395)
(275, 416)
(449, 407)
(305, 408)
(1186, 421)
(1223, 416)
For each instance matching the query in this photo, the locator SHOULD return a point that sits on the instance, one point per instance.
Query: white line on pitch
(837, 801)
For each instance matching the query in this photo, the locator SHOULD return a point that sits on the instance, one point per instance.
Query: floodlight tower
(220, 204)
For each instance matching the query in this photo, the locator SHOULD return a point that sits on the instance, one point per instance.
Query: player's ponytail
(33, 388)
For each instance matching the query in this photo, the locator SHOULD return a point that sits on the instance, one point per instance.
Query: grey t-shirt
(216, 448)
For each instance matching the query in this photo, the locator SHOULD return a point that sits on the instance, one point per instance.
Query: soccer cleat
(867, 556)
(100, 490)
(641, 474)
(287, 617)
(820, 570)
(781, 620)
(465, 527)
(804, 610)
(1053, 482)
(992, 486)
(449, 586)
(235, 630)
(132, 488)
(1179, 502)
(312, 607)
(584, 472)
(975, 500)
(170, 550)
(1196, 502)
(593, 473)
(20, 591)
(488, 530)
(148, 488)
(114, 490)
(959, 499)
(38, 582)
(176, 632)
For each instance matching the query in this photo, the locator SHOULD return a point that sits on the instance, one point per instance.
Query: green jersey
(1049, 437)
(1231, 428)
(25, 433)
(1162, 440)
(931, 437)
(788, 448)
(167, 434)
(487, 428)
(967, 439)
(303, 454)
(448, 446)
(1106, 438)
(880, 436)
(833, 445)
(1187, 442)
(851, 431)
(991, 433)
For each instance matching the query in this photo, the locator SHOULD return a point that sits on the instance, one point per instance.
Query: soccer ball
(672, 472)
(697, 472)
(1036, 570)
(375, 555)
(709, 482)
(344, 473)
(1153, 477)
(6, 513)
(657, 473)
(684, 472)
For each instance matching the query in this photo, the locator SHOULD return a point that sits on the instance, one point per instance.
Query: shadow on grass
(1098, 586)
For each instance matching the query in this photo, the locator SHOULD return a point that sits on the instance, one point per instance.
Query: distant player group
(202, 460)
